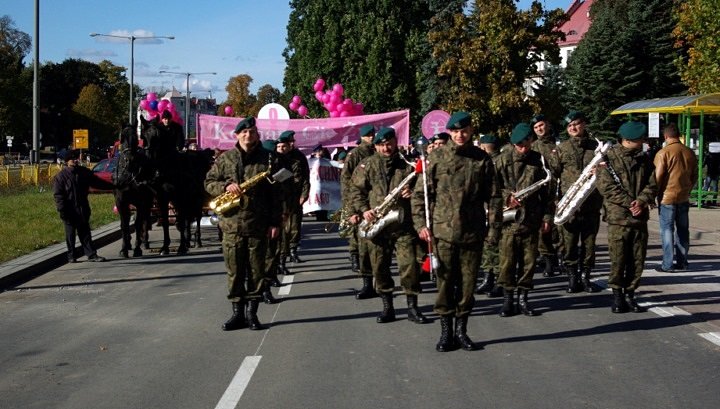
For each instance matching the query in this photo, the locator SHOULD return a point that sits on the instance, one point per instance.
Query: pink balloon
(171, 106)
(334, 114)
(296, 99)
(162, 105)
(318, 86)
(302, 111)
(228, 110)
(345, 113)
(326, 98)
(338, 89)
(151, 96)
(330, 106)
(320, 82)
(319, 95)
(293, 106)
(144, 104)
(335, 98)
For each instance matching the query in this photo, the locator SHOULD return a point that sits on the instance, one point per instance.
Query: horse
(179, 179)
(131, 178)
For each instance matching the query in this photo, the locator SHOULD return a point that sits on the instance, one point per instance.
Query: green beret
(522, 131)
(384, 134)
(537, 118)
(458, 120)
(633, 130)
(442, 136)
(287, 136)
(489, 138)
(574, 115)
(423, 141)
(367, 130)
(269, 145)
(246, 123)
(342, 155)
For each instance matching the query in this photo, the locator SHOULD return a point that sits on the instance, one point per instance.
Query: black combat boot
(619, 305)
(461, 334)
(545, 265)
(523, 303)
(294, 256)
(589, 286)
(414, 314)
(447, 339)
(354, 262)
(268, 297)
(282, 268)
(388, 312)
(574, 282)
(367, 290)
(508, 308)
(487, 283)
(632, 304)
(237, 321)
(251, 315)
(495, 291)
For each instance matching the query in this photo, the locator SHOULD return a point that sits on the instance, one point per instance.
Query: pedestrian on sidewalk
(676, 173)
(70, 189)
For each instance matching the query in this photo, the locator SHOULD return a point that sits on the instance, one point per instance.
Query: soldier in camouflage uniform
(372, 181)
(491, 253)
(579, 233)
(517, 169)
(301, 174)
(627, 183)
(246, 229)
(461, 180)
(548, 243)
(359, 256)
(272, 253)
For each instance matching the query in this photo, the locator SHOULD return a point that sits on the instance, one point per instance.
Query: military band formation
(458, 211)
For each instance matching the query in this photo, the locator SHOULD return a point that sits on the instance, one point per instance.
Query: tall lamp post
(132, 39)
(187, 93)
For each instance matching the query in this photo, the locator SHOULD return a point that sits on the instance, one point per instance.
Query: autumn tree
(94, 113)
(239, 96)
(266, 94)
(697, 34)
(485, 55)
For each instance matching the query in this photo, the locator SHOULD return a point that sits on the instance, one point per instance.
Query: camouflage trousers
(491, 258)
(550, 243)
(363, 251)
(290, 232)
(518, 252)
(245, 266)
(381, 251)
(627, 248)
(272, 259)
(353, 241)
(578, 237)
(456, 277)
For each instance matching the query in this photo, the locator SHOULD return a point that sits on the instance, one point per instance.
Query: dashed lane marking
(713, 337)
(287, 285)
(240, 381)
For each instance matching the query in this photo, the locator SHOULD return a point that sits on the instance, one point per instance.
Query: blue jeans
(675, 233)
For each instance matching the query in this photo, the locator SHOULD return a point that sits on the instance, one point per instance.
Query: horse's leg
(141, 221)
(198, 238)
(164, 215)
(182, 225)
(124, 212)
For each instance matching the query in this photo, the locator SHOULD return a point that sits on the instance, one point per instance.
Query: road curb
(25, 268)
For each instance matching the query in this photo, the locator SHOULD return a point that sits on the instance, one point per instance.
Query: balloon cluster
(154, 107)
(332, 99)
(297, 106)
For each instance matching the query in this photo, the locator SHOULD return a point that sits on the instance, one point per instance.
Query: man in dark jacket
(70, 189)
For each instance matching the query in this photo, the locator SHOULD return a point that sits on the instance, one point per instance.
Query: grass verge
(30, 221)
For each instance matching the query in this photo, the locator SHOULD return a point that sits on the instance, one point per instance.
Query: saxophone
(386, 212)
(509, 214)
(581, 189)
(228, 200)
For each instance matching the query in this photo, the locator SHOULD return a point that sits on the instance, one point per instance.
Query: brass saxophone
(340, 217)
(386, 212)
(581, 189)
(512, 214)
(228, 200)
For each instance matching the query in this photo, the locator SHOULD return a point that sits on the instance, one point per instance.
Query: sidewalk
(704, 224)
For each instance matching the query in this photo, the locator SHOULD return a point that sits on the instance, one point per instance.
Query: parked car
(104, 170)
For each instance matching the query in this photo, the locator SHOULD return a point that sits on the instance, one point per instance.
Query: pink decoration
(319, 95)
(154, 104)
(162, 105)
(319, 84)
(151, 96)
(302, 110)
(344, 113)
(144, 104)
(293, 106)
(338, 89)
(296, 99)
(335, 98)
(326, 98)
(228, 110)
(334, 114)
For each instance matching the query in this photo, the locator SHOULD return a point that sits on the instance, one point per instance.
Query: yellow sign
(80, 139)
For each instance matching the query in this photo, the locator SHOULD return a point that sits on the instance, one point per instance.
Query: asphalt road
(145, 333)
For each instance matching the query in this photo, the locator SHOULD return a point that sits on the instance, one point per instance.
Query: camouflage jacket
(635, 181)
(461, 180)
(516, 172)
(574, 154)
(264, 208)
(301, 172)
(353, 159)
(373, 179)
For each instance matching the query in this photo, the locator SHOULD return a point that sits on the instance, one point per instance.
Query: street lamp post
(132, 39)
(187, 93)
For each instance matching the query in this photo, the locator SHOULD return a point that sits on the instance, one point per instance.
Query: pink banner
(217, 131)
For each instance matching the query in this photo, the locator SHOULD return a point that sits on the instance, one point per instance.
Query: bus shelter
(685, 107)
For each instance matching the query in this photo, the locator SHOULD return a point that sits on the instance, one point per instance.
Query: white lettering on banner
(324, 186)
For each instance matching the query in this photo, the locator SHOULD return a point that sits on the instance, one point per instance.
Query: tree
(549, 93)
(14, 98)
(95, 114)
(239, 96)
(624, 57)
(697, 34)
(266, 94)
(486, 54)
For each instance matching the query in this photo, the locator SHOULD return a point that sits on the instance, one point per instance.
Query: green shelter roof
(692, 104)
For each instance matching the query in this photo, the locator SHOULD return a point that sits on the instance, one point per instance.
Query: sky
(229, 37)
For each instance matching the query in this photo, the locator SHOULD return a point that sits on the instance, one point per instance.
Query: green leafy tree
(95, 114)
(697, 34)
(15, 97)
(549, 92)
(266, 94)
(485, 55)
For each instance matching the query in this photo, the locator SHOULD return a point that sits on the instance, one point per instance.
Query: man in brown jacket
(676, 173)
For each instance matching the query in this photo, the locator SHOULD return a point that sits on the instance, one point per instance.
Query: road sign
(80, 139)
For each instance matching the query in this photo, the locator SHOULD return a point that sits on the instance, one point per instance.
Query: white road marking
(713, 337)
(240, 381)
(287, 285)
